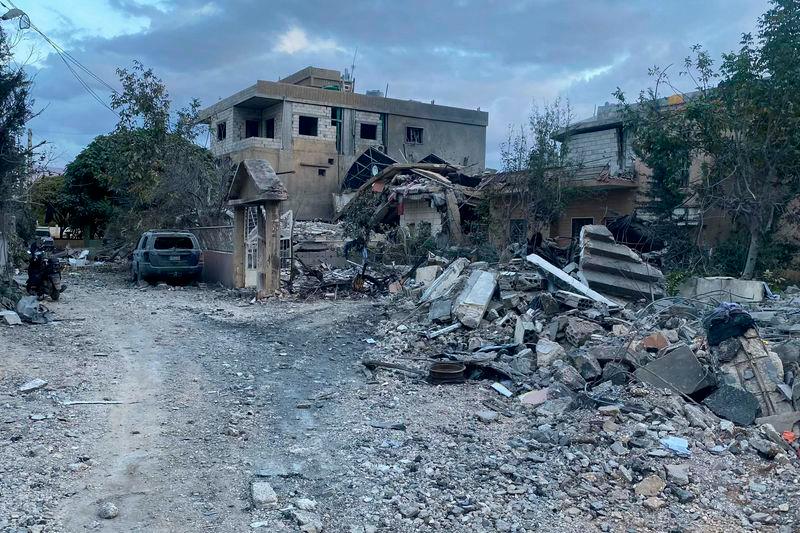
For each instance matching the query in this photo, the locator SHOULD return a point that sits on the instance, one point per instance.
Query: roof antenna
(353, 66)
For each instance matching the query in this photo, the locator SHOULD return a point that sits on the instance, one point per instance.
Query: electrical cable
(66, 57)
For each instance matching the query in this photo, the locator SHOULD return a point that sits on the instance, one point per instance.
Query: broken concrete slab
(782, 422)
(11, 318)
(440, 311)
(723, 288)
(732, 403)
(587, 365)
(559, 277)
(677, 370)
(548, 351)
(570, 377)
(633, 270)
(471, 304)
(622, 286)
(446, 282)
(613, 268)
(428, 274)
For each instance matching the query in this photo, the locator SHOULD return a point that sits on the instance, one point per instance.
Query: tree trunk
(752, 253)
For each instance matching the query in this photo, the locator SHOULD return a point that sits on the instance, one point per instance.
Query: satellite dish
(374, 170)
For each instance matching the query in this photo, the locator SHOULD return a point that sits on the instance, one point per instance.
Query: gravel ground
(220, 398)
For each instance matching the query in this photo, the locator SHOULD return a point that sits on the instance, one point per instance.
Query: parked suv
(164, 254)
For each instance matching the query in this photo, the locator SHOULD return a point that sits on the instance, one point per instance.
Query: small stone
(683, 495)
(263, 495)
(486, 416)
(305, 504)
(409, 510)
(107, 511)
(678, 474)
(650, 486)
(609, 410)
(758, 488)
(654, 504)
(783, 508)
(762, 518)
(619, 448)
(32, 385)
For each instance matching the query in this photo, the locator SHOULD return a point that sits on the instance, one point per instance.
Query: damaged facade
(312, 128)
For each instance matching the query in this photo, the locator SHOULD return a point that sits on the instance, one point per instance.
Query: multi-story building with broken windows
(322, 137)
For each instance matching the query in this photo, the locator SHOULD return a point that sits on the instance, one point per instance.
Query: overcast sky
(496, 55)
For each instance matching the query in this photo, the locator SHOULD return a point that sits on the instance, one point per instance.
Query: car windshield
(168, 243)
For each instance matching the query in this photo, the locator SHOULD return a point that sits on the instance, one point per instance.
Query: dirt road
(202, 394)
(213, 392)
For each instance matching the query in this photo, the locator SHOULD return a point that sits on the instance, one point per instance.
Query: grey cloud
(497, 55)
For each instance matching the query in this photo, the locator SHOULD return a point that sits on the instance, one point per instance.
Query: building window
(414, 135)
(320, 172)
(518, 230)
(577, 224)
(250, 128)
(369, 131)
(222, 131)
(308, 125)
(269, 128)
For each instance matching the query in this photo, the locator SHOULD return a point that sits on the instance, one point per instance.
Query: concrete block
(427, 275)
(440, 311)
(524, 330)
(442, 285)
(723, 289)
(10, 317)
(677, 370)
(475, 297)
(548, 351)
(732, 403)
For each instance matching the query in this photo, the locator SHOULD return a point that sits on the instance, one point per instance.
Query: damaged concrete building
(608, 182)
(320, 135)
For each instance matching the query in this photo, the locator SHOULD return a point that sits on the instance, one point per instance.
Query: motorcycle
(44, 275)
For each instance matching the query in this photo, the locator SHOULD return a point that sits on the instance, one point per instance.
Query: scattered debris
(30, 386)
(31, 310)
(11, 318)
(263, 495)
(107, 511)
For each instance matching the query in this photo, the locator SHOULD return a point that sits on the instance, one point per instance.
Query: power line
(66, 57)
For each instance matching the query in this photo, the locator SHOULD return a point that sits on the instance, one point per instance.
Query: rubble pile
(626, 403)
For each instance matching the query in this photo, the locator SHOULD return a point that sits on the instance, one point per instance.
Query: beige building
(312, 128)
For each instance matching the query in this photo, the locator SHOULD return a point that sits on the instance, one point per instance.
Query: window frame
(222, 131)
(369, 125)
(410, 138)
(269, 128)
(303, 118)
(248, 123)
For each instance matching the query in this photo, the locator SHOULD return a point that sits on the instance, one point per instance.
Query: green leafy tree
(15, 111)
(743, 122)
(49, 201)
(540, 151)
(148, 172)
